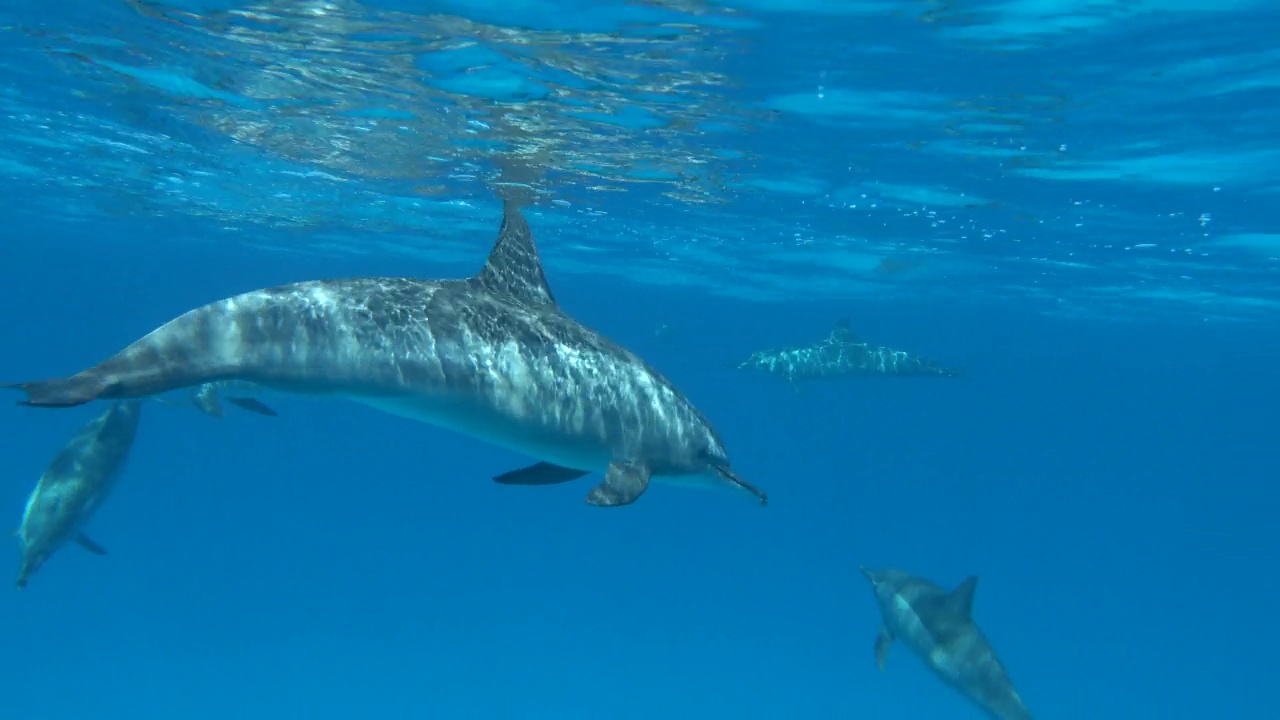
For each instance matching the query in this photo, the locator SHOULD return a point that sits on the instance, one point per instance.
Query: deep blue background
(1111, 484)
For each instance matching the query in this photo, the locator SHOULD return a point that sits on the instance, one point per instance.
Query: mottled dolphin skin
(74, 486)
(839, 354)
(492, 356)
(938, 626)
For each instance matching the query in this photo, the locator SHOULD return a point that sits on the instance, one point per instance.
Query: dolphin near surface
(938, 626)
(840, 354)
(74, 485)
(492, 356)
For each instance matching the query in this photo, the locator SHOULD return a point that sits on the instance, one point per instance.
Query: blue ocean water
(1073, 201)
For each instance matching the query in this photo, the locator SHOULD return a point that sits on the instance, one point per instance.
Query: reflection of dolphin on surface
(938, 626)
(841, 353)
(74, 486)
(492, 356)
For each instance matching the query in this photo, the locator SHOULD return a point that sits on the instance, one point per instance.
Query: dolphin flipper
(543, 473)
(85, 542)
(623, 484)
(883, 641)
(253, 405)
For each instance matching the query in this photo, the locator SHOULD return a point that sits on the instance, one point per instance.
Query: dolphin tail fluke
(59, 392)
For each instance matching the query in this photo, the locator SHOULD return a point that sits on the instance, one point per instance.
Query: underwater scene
(639, 359)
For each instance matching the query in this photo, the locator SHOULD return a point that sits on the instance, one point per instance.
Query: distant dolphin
(840, 353)
(492, 356)
(938, 626)
(75, 484)
(207, 398)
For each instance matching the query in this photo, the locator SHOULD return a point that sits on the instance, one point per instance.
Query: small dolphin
(207, 399)
(74, 486)
(938, 626)
(492, 356)
(841, 353)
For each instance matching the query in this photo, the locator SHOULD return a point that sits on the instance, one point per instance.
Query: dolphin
(841, 353)
(74, 486)
(938, 626)
(208, 398)
(492, 356)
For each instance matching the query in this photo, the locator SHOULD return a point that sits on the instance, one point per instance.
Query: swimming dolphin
(208, 397)
(492, 356)
(938, 626)
(841, 353)
(74, 486)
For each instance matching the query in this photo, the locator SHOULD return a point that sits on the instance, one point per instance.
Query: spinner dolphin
(492, 356)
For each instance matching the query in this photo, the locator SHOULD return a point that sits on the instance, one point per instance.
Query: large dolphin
(492, 356)
(938, 626)
(839, 354)
(74, 485)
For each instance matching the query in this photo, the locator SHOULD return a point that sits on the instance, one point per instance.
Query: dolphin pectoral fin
(88, 544)
(623, 484)
(960, 600)
(253, 405)
(883, 641)
(543, 473)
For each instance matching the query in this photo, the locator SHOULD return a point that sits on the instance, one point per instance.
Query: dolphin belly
(554, 445)
(566, 446)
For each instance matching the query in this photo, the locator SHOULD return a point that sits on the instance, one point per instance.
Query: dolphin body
(839, 354)
(938, 626)
(208, 398)
(492, 356)
(74, 486)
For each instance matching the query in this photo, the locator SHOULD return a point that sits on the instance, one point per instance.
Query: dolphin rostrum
(74, 486)
(938, 626)
(840, 353)
(492, 356)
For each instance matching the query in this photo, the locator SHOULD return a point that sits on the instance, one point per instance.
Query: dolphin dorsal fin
(514, 268)
(961, 599)
(843, 331)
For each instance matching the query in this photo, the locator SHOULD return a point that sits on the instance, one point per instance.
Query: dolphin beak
(732, 477)
(870, 575)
